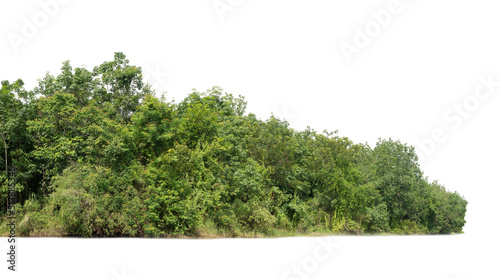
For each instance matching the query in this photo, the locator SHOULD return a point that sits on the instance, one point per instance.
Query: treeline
(94, 153)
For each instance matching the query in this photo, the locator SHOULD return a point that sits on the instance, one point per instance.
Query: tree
(152, 128)
(11, 118)
(398, 175)
(97, 154)
(121, 85)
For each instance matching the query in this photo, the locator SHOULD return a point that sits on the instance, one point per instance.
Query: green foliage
(379, 218)
(409, 227)
(96, 154)
(92, 200)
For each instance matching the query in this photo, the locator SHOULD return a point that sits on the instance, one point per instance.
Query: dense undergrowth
(94, 153)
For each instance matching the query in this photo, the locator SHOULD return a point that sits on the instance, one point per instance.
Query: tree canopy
(95, 153)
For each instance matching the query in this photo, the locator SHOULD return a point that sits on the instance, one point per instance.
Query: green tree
(398, 175)
(13, 115)
(119, 84)
(97, 154)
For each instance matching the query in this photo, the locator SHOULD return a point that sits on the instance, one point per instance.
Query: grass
(41, 225)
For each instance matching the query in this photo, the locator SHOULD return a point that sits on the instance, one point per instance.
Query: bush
(410, 227)
(379, 218)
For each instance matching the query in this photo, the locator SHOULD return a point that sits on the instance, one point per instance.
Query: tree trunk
(6, 167)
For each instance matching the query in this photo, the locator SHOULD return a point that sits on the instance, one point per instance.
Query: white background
(411, 71)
